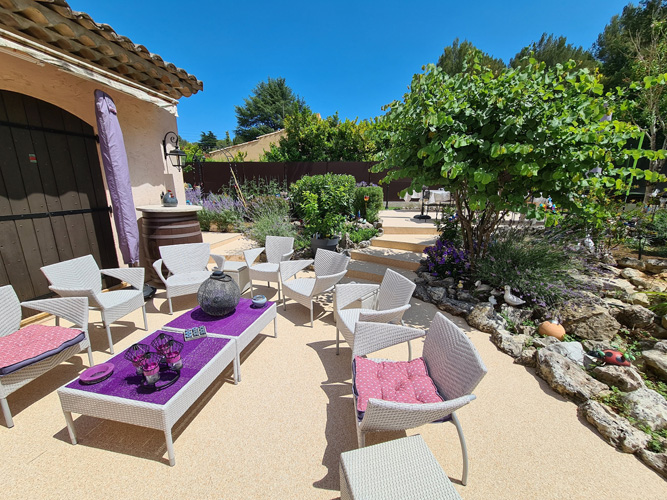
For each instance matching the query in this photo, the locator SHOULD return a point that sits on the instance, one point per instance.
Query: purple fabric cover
(231, 326)
(114, 159)
(125, 383)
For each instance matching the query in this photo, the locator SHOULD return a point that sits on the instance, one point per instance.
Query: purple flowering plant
(445, 259)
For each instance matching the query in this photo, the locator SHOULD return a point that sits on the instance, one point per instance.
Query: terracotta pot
(552, 329)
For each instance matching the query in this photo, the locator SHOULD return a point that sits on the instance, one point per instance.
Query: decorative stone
(631, 262)
(571, 350)
(659, 332)
(614, 428)
(648, 407)
(364, 244)
(484, 318)
(635, 316)
(656, 461)
(455, 307)
(525, 330)
(609, 259)
(640, 298)
(508, 343)
(657, 360)
(628, 273)
(544, 342)
(421, 293)
(437, 293)
(625, 378)
(566, 377)
(590, 322)
(616, 285)
(596, 345)
(552, 329)
(219, 295)
(655, 266)
(527, 357)
(663, 321)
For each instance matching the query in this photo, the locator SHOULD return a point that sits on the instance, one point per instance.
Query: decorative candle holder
(150, 364)
(160, 343)
(172, 353)
(135, 354)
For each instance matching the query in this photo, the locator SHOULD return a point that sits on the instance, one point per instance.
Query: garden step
(415, 229)
(389, 257)
(411, 242)
(371, 271)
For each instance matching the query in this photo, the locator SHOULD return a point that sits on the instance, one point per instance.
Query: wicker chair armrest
(287, 256)
(289, 268)
(132, 275)
(74, 292)
(348, 293)
(251, 255)
(371, 337)
(384, 316)
(157, 265)
(74, 309)
(219, 261)
(391, 415)
(324, 283)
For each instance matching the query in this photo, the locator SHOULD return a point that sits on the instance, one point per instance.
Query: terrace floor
(279, 433)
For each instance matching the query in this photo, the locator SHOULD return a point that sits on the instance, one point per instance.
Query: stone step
(411, 242)
(371, 271)
(389, 257)
(415, 229)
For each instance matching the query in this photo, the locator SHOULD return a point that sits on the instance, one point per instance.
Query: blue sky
(347, 56)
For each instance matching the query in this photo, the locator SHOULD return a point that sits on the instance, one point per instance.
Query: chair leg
(279, 290)
(143, 308)
(57, 321)
(464, 449)
(90, 356)
(337, 341)
(361, 437)
(409, 351)
(9, 422)
(171, 310)
(311, 314)
(252, 290)
(284, 306)
(109, 337)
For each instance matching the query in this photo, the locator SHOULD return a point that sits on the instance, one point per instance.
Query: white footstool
(402, 469)
(239, 273)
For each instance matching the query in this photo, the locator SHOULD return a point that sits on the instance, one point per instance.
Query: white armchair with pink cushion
(399, 395)
(26, 353)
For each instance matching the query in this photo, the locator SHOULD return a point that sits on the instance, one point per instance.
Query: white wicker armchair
(453, 365)
(330, 267)
(81, 277)
(188, 268)
(74, 309)
(278, 249)
(391, 300)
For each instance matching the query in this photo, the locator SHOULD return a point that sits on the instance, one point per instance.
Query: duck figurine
(511, 299)
(492, 300)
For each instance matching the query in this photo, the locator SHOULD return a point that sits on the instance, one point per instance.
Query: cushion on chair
(35, 343)
(399, 381)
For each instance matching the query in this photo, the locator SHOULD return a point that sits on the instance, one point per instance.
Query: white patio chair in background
(278, 249)
(29, 356)
(81, 277)
(452, 363)
(391, 300)
(330, 267)
(188, 268)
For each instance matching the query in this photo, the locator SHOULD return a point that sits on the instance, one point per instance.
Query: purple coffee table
(123, 398)
(242, 326)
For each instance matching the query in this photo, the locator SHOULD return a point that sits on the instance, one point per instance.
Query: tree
(554, 51)
(495, 140)
(454, 56)
(266, 108)
(207, 142)
(633, 48)
(310, 138)
(224, 143)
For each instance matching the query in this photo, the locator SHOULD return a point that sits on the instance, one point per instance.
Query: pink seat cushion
(399, 381)
(35, 343)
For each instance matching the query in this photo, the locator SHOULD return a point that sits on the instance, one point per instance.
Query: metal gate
(53, 206)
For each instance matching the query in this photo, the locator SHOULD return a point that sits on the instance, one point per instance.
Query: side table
(239, 273)
(402, 469)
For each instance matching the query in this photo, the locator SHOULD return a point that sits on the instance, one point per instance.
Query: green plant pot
(324, 243)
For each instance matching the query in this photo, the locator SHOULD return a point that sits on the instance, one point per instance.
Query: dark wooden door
(53, 206)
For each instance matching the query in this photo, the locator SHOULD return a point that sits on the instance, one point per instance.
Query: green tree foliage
(495, 140)
(207, 142)
(555, 50)
(633, 48)
(266, 109)
(310, 138)
(454, 56)
(223, 143)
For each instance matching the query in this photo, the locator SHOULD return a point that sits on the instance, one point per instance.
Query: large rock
(629, 273)
(635, 316)
(657, 360)
(625, 378)
(652, 285)
(647, 407)
(545, 341)
(616, 285)
(590, 322)
(656, 461)
(640, 299)
(614, 428)
(527, 357)
(514, 314)
(566, 377)
(571, 350)
(633, 263)
(421, 293)
(655, 266)
(437, 293)
(508, 343)
(455, 307)
(484, 318)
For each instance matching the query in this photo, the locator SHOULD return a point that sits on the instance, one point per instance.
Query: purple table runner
(125, 383)
(231, 326)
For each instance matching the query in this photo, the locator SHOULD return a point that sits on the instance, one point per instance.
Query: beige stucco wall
(254, 149)
(144, 124)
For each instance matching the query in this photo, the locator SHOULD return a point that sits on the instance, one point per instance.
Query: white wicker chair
(453, 364)
(81, 277)
(278, 249)
(188, 268)
(391, 300)
(330, 267)
(74, 309)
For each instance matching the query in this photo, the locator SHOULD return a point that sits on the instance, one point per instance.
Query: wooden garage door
(52, 201)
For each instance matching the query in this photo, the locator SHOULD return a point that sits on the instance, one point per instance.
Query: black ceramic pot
(219, 295)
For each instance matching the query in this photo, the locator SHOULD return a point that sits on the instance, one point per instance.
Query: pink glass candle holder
(172, 353)
(160, 343)
(135, 354)
(150, 365)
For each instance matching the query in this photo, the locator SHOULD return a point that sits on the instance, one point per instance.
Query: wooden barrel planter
(161, 226)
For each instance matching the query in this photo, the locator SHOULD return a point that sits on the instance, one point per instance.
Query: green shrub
(359, 234)
(369, 209)
(204, 217)
(657, 228)
(270, 223)
(227, 220)
(262, 205)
